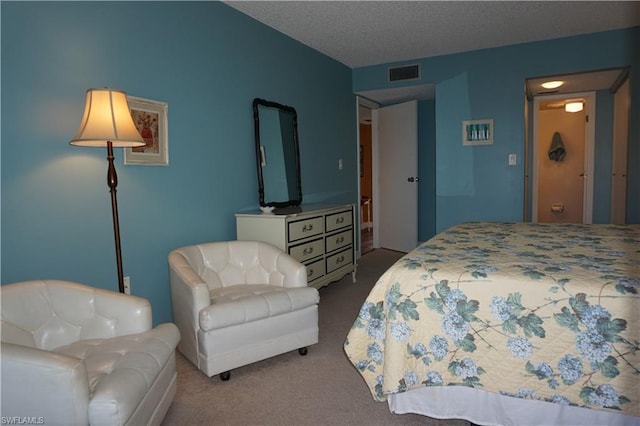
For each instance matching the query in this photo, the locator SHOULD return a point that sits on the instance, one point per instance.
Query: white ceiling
(363, 33)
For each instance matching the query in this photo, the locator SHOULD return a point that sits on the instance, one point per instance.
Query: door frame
(619, 152)
(366, 103)
(375, 170)
(589, 151)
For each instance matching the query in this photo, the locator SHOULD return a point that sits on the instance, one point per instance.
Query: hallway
(366, 240)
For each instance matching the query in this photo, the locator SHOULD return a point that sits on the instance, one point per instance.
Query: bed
(508, 323)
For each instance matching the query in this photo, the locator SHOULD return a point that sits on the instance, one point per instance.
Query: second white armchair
(73, 354)
(239, 302)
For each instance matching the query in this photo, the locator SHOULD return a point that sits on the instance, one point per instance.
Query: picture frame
(477, 132)
(150, 118)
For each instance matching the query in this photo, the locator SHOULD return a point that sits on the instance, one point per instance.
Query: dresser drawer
(321, 237)
(339, 240)
(304, 228)
(315, 270)
(307, 251)
(339, 260)
(338, 220)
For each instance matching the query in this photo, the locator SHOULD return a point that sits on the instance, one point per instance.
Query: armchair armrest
(191, 290)
(295, 273)
(37, 383)
(189, 295)
(133, 314)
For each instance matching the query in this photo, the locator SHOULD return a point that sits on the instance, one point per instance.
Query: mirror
(277, 154)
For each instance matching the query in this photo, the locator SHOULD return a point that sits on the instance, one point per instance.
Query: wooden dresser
(320, 236)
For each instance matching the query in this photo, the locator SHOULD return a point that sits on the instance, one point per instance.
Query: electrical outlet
(127, 284)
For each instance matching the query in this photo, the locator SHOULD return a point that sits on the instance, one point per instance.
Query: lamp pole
(112, 181)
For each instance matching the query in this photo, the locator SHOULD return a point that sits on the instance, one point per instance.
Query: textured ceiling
(362, 33)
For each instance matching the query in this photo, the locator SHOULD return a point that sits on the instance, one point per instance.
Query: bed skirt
(487, 408)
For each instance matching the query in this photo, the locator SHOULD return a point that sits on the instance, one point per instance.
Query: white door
(395, 174)
(622, 104)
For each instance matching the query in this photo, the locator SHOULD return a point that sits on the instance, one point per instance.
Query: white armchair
(239, 302)
(76, 355)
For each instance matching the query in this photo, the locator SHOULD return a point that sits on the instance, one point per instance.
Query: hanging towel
(556, 150)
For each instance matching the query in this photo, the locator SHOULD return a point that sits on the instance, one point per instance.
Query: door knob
(413, 179)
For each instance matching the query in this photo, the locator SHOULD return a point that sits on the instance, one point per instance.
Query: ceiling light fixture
(575, 106)
(552, 84)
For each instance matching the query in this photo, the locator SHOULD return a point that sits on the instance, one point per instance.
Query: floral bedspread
(537, 311)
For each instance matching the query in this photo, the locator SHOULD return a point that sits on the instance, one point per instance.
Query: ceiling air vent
(409, 72)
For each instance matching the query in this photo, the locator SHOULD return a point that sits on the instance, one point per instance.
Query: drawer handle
(307, 228)
(309, 272)
(339, 240)
(340, 259)
(308, 250)
(339, 220)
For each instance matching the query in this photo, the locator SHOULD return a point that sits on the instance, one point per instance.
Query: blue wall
(475, 183)
(427, 175)
(206, 60)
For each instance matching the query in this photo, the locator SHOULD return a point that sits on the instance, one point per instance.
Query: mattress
(535, 312)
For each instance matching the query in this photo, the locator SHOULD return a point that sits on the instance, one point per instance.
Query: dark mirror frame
(297, 199)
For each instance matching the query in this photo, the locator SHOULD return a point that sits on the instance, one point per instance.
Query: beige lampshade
(107, 118)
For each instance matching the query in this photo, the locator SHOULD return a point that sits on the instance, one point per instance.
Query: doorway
(575, 86)
(389, 216)
(563, 158)
(366, 179)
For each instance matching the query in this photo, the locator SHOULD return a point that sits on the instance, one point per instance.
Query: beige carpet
(322, 388)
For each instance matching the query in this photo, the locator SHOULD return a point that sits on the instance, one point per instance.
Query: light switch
(512, 159)
(340, 164)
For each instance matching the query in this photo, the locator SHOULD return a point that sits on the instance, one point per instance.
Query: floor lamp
(107, 122)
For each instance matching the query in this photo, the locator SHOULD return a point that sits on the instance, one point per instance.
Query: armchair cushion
(240, 304)
(121, 370)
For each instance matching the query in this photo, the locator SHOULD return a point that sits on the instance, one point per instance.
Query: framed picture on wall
(477, 132)
(150, 118)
